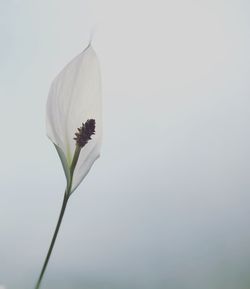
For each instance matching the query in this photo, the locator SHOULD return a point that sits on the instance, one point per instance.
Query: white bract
(75, 97)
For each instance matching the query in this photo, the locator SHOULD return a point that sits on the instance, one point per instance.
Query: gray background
(167, 205)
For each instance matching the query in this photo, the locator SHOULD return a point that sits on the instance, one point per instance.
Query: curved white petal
(74, 97)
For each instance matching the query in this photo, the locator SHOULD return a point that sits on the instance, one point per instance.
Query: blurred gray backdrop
(167, 205)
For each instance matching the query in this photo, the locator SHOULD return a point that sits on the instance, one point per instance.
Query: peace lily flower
(75, 98)
(74, 124)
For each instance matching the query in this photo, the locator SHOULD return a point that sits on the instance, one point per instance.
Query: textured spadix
(75, 97)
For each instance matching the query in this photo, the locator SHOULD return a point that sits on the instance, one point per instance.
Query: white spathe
(74, 97)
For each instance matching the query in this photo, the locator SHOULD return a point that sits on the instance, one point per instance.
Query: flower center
(84, 133)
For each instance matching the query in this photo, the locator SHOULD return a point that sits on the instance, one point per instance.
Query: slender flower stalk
(74, 98)
(65, 201)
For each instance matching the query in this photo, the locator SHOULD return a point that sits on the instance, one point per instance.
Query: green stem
(74, 161)
(64, 205)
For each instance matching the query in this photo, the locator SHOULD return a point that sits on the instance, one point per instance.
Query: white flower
(74, 98)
